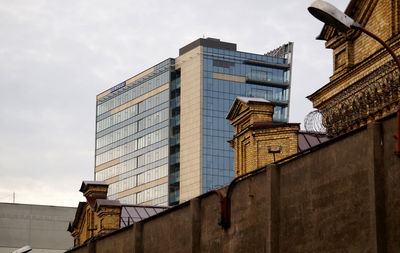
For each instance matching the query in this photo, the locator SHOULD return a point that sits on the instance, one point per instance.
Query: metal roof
(135, 213)
(310, 139)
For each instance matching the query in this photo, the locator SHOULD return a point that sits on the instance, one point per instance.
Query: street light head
(332, 16)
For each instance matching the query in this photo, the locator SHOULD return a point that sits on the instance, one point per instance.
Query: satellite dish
(313, 122)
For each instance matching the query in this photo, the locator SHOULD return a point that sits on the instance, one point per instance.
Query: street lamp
(330, 15)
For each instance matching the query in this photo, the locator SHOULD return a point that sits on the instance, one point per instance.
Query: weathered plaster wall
(342, 197)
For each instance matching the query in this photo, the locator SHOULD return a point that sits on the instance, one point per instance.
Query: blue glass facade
(132, 138)
(138, 124)
(265, 77)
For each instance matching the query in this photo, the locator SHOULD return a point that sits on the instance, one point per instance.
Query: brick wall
(258, 140)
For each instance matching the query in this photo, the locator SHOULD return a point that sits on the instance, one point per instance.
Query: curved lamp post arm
(383, 43)
(397, 61)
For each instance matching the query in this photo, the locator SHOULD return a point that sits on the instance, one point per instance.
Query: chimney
(93, 190)
(96, 217)
(258, 140)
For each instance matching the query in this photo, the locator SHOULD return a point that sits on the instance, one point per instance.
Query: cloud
(55, 56)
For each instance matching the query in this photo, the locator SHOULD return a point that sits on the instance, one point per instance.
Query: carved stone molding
(366, 100)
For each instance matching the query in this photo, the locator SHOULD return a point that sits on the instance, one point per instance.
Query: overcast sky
(56, 56)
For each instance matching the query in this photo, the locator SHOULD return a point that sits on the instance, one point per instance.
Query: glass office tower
(132, 131)
(161, 136)
(227, 75)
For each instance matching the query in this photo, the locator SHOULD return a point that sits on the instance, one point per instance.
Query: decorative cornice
(378, 55)
(366, 100)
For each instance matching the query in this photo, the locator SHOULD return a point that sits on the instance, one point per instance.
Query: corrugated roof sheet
(135, 213)
(310, 139)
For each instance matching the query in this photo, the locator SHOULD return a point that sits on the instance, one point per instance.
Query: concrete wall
(44, 228)
(191, 123)
(342, 197)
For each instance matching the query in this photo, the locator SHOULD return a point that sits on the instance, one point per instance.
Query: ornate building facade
(365, 83)
(258, 140)
(99, 216)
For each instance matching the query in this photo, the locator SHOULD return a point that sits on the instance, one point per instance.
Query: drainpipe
(225, 202)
